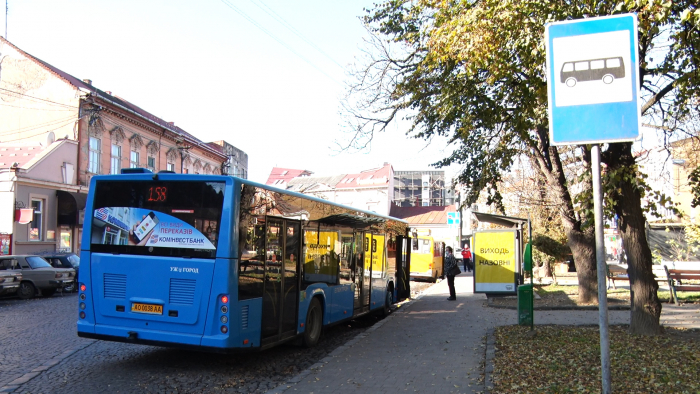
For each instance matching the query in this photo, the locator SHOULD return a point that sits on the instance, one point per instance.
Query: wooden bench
(617, 273)
(676, 278)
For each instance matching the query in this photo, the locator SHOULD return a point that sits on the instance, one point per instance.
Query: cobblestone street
(41, 353)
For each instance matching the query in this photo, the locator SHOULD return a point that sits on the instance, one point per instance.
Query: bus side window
(251, 264)
(613, 63)
(581, 66)
(597, 64)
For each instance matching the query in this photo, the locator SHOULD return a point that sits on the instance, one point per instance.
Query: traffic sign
(453, 218)
(593, 80)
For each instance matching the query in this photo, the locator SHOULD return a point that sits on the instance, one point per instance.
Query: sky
(267, 76)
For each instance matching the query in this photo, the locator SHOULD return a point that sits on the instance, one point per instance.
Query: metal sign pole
(584, 109)
(600, 259)
(532, 284)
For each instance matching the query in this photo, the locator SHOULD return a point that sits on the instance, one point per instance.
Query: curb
(490, 355)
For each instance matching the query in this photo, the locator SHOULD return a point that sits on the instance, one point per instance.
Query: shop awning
(69, 205)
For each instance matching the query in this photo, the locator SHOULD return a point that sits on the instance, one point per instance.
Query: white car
(38, 274)
(10, 277)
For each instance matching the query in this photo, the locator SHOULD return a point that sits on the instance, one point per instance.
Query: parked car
(65, 260)
(39, 275)
(10, 277)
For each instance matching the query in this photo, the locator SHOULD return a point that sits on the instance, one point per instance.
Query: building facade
(420, 189)
(57, 132)
(236, 163)
(368, 190)
(431, 221)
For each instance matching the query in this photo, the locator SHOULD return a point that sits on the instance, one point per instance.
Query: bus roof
(306, 196)
(141, 175)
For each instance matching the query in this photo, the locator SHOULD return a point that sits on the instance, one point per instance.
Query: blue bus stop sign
(593, 80)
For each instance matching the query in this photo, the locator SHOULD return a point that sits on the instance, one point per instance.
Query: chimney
(109, 92)
(88, 81)
(171, 124)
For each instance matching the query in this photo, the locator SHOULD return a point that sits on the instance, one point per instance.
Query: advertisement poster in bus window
(145, 227)
(368, 254)
(377, 256)
(495, 262)
(321, 258)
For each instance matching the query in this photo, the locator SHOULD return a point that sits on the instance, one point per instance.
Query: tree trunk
(583, 250)
(547, 267)
(582, 243)
(645, 312)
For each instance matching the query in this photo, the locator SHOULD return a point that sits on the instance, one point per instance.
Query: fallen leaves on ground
(562, 296)
(566, 359)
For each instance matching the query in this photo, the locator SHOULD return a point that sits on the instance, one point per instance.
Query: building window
(116, 159)
(171, 167)
(94, 155)
(152, 163)
(36, 226)
(134, 159)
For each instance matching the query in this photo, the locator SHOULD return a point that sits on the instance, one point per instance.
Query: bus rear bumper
(156, 338)
(149, 342)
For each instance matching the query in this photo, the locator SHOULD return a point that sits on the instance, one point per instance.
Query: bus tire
(26, 290)
(313, 325)
(608, 78)
(388, 300)
(571, 82)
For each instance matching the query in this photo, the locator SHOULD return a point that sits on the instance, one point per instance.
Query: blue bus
(223, 264)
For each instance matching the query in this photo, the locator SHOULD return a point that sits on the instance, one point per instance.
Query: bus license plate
(147, 308)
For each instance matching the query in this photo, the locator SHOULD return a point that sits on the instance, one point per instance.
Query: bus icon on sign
(606, 70)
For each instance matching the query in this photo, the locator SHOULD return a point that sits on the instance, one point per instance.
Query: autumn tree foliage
(474, 71)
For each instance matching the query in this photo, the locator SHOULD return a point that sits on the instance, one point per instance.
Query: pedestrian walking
(467, 258)
(451, 270)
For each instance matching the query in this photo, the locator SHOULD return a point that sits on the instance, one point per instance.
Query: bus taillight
(224, 310)
(82, 297)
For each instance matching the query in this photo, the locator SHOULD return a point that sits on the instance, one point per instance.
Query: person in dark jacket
(449, 266)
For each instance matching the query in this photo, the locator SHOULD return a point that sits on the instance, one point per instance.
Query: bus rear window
(159, 218)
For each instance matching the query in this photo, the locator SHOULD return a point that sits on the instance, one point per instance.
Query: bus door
(281, 287)
(361, 277)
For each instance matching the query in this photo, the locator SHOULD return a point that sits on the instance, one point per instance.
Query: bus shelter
(498, 254)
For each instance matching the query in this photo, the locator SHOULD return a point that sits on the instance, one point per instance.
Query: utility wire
(291, 28)
(38, 109)
(259, 26)
(37, 98)
(38, 134)
(38, 126)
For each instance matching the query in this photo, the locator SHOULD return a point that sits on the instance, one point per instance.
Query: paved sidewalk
(433, 345)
